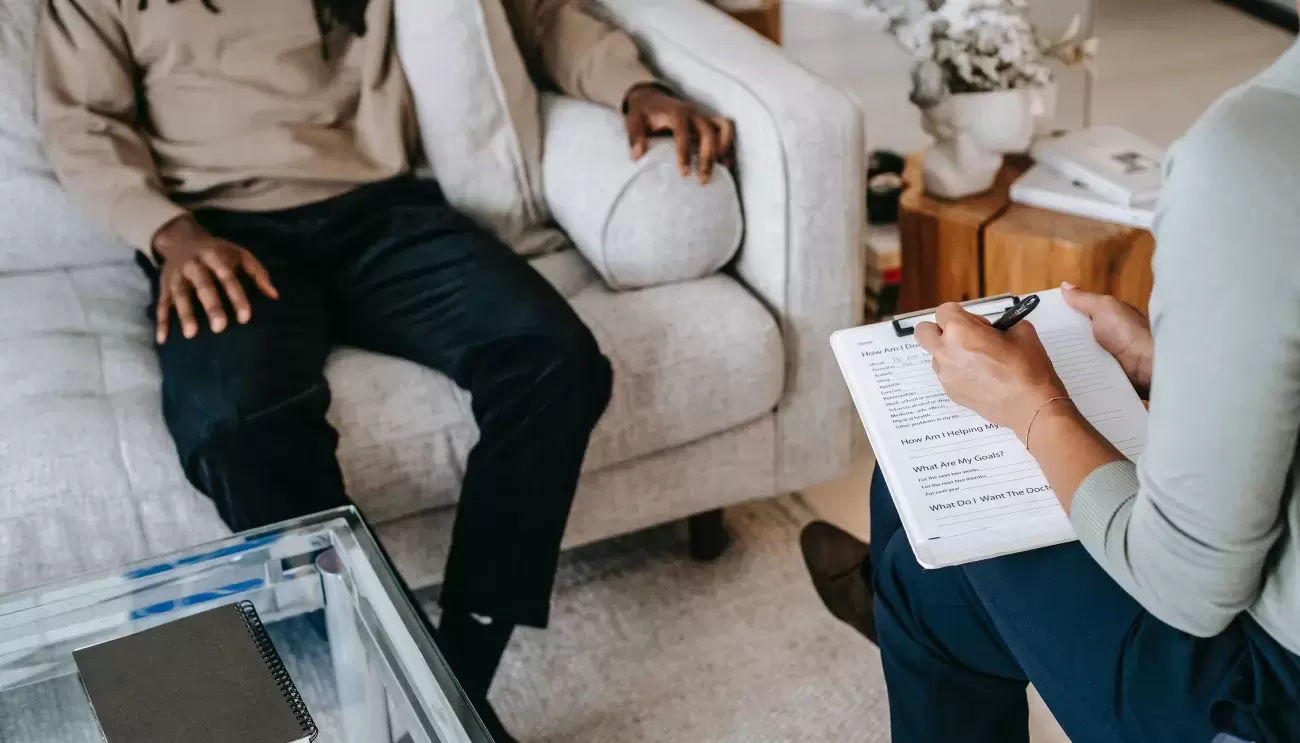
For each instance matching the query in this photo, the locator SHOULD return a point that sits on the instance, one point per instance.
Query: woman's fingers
(952, 313)
(1085, 303)
(1025, 335)
(927, 335)
(1023, 332)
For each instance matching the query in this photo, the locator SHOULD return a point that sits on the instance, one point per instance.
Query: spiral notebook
(212, 677)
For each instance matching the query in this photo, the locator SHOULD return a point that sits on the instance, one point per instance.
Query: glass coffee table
(355, 646)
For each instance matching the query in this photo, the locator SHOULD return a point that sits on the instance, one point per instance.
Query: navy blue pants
(392, 268)
(960, 644)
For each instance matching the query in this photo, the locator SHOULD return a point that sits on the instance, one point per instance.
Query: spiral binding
(273, 662)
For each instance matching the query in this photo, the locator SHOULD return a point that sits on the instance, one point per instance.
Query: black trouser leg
(246, 407)
(432, 287)
(392, 268)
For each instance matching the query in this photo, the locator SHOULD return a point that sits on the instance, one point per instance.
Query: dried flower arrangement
(972, 46)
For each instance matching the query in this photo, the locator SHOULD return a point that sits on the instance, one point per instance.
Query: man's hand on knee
(194, 265)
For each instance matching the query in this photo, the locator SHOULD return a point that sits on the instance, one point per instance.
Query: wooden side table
(983, 245)
(764, 17)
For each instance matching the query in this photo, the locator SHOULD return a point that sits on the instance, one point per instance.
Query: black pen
(1016, 312)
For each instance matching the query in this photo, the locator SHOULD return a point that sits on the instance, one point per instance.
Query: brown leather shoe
(837, 562)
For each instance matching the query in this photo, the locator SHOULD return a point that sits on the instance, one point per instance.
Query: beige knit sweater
(153, 108)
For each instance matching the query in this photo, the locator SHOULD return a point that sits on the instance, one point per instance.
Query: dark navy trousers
(391, 267)
(960, 644)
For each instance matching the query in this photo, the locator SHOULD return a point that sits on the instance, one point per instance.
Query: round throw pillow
(640, 223)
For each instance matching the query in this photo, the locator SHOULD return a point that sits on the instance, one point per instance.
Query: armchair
(796, 279)
(801, 174)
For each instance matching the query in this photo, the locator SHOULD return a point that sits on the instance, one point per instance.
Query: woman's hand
(1120, 329)
(1006, 377)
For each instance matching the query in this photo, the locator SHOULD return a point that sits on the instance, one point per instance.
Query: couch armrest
(800, 153)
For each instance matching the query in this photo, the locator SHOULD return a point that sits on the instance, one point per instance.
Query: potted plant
(981, 79)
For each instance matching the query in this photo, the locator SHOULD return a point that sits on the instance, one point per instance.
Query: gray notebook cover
(201, 679)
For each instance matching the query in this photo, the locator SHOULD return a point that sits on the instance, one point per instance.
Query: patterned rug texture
(646, 645)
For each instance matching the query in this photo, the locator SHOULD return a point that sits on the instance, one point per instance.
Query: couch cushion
(463, 65)
(88, 477)
(689, 360)
(42, 227)
(83, 442)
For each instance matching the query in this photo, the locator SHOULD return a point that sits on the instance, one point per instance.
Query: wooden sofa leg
(708, 536)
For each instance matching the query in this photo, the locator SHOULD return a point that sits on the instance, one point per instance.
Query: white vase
(973, 131)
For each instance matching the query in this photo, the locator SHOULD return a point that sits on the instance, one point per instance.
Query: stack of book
(883, 270)
(1103, 173)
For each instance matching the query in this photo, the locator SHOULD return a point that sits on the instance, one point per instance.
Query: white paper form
(965, 488)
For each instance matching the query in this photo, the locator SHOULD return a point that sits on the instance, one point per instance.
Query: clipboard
(990, 307)
(933, 453)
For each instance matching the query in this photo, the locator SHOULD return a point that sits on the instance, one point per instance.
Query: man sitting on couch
(259, 154)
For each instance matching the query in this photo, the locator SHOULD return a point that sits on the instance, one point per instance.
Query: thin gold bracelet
(1030, 429)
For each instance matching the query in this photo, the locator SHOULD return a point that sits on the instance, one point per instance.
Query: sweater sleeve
(88, 113)
(1187, 532)
(584, 57)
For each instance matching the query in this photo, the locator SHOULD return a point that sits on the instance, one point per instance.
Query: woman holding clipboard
(1176, 617)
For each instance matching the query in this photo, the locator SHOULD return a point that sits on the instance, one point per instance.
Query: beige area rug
(646, 645)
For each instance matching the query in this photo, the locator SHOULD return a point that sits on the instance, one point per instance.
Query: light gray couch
(725, 388)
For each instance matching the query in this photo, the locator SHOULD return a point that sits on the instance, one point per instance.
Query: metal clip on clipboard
(990, 307)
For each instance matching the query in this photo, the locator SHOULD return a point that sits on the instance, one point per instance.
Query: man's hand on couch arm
(650, 109)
